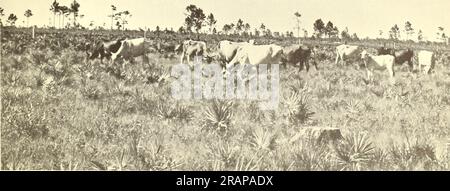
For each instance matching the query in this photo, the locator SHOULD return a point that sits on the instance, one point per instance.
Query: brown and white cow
(401, 56)
(190, 49)
(122, 48)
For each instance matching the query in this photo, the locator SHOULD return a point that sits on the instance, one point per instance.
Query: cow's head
(113, 47)
(277, 51)
(364, 55)
(95, 50)
(178, 48)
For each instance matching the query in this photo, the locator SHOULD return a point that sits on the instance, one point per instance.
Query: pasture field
(59, 112)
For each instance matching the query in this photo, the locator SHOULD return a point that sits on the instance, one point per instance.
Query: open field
(59, 112)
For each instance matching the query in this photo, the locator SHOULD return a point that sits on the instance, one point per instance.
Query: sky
(364, 17)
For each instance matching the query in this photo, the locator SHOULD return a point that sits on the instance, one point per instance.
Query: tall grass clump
(354, 152)
(298, 110)
(218, 116)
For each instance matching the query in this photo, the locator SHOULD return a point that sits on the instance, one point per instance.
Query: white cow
(344, 51)
(258, 54)
(427, 59)
(381, 62)
(227, 49)
(192, 48)
(255, 55)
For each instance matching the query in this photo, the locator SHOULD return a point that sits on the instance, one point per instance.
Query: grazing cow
(190, 49)
(345, 51)
(227, 49)
(380, 62)
(427, 59)
(124, 48)
(103, 49)
(401, 56)
(299, 54)
(166, 47)
(130, 48)
(257, 54)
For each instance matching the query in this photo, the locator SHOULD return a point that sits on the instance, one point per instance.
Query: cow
(427, 59)
(401, 56)
(131, 48)
(122, 48)
(345, 51)
(191, 48)
(299, 54)
(385, 51)
(103, 49)
(257, 54)
(227, 49)
(254, 55)
(380, 62)
(165, 47)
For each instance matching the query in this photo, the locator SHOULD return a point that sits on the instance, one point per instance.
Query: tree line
(196, 20)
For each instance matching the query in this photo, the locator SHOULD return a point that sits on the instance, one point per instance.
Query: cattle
(427, 59)
(380, 62)
(346, 51)
(255, 55)
(227, 49)
(130, 48)
(299, 54)
(401, 56)
(102, 49)
(385, 51)
(190, 49)
(122, 48)
(166, 47)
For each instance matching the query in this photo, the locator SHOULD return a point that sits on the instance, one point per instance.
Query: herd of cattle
(226, 52)
(229, 53)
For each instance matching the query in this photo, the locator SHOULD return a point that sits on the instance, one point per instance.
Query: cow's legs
(230, 66)
(411, 66)
(189, 62)
(337, 59)
(369, 76)
(300, 67)
(427, 70)
(182, 58)
(315, 65)
(392, 76)
(307, 66)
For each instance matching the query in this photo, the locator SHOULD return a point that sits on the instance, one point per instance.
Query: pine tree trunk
(112, 21)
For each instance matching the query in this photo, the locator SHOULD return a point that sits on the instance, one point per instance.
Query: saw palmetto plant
(218, 116)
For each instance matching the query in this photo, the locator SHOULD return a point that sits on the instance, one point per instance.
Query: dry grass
(60, 113)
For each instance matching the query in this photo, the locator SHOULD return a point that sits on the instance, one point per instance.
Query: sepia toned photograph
(225, 85)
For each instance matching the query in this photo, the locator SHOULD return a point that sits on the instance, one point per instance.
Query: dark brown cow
(299, 54)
